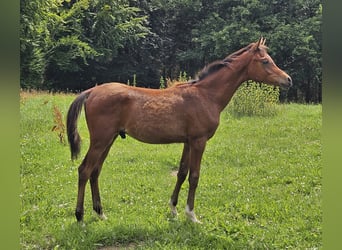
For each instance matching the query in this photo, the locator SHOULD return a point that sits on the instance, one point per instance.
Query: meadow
(260, 185)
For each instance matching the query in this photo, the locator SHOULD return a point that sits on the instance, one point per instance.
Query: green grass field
(260, 186)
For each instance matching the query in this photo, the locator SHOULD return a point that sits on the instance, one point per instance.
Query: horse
(186, 113)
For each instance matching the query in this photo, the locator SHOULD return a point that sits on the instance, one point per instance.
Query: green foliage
(255, 99)
(162, 83)
(260, 186)
(60, 37)
(69, 48)
(77, 44)
(182, 76)
(112, 24)
(135, 80)
(33, 41)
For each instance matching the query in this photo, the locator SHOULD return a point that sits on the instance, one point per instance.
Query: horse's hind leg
(181, 176)
(90, 168)
(84, 171)
(95, 192)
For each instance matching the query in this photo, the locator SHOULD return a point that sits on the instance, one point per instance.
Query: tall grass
(59, 126)
(255, 99)
(260, 185)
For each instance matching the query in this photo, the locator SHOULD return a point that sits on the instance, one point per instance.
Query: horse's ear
(261, 41)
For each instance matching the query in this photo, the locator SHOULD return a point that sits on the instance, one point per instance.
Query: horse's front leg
(196, 152)
(181, 176)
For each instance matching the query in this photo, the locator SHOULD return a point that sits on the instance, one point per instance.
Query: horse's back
(149, 115)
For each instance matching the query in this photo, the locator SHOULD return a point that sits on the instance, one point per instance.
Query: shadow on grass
(105, 235)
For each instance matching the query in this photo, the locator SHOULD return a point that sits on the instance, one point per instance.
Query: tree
(293, 31)
(69, 44)
(33, 45)
(59, 38)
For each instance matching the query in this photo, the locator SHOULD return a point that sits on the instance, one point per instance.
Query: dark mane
(208, 70)
(217, 65)
(211, 68)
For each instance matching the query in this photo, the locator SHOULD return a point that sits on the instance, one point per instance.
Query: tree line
(73, 45)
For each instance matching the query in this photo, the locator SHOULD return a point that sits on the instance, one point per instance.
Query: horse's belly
(156, 134)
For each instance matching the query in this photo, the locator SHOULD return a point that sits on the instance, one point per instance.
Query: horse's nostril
(289, 79)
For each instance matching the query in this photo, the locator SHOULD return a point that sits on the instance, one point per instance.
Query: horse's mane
(236, 54)
(211, 68)
(219, 64)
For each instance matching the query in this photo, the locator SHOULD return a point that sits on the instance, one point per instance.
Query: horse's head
(263, 69)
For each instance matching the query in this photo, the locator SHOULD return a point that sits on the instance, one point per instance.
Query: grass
(260, 185)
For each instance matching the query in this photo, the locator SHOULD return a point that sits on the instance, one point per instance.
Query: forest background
(68, 45)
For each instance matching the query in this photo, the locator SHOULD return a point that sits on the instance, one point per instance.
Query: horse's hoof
(173, 209)
(103, 216)
(79, 215)
(191, 215)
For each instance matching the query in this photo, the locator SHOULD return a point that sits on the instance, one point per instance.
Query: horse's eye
(265, 61)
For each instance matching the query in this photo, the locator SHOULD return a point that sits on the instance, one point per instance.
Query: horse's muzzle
(289, 80)
(287, 83)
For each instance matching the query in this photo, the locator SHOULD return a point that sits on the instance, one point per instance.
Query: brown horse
(186, 113)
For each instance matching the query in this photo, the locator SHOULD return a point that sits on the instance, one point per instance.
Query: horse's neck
(221, 86)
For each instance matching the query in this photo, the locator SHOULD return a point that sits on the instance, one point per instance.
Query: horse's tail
(72, 118)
